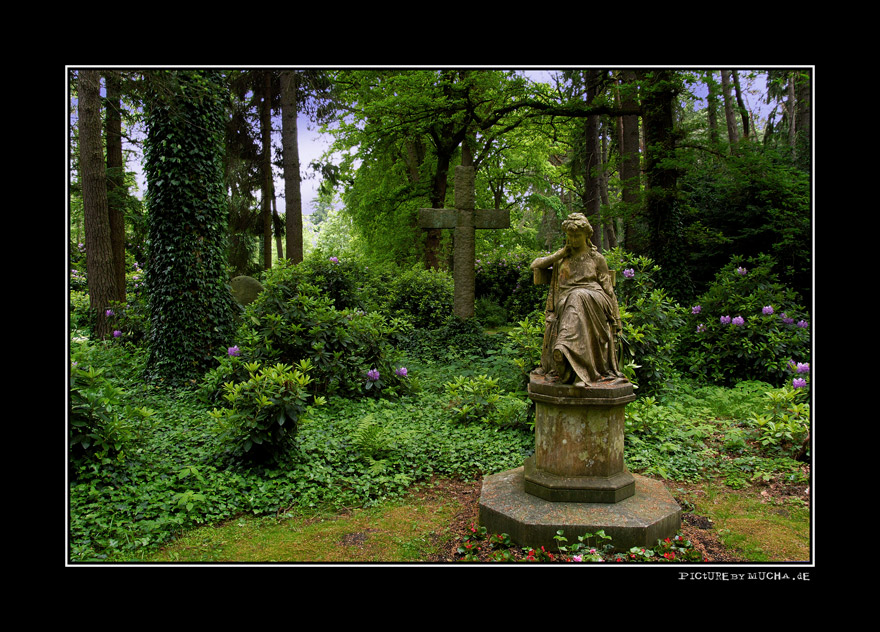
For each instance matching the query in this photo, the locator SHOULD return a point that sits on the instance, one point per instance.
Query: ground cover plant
(151, 466)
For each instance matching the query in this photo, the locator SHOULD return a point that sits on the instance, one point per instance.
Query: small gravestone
(577, 480)
(245, 289)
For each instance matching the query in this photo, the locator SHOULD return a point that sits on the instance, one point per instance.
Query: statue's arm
(549, 260)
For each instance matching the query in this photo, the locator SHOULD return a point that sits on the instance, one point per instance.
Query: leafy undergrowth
(397, 481)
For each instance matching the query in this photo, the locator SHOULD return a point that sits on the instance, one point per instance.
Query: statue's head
(578, 222)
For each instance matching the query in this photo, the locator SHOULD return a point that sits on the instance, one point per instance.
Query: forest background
(698, 183)
(665, 162)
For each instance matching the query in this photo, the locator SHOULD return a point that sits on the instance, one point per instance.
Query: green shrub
(525, 342)
(78, 282)
(649, 340)
(421, 297)
(79, 310)
(479, 399)
(505, 279)
(454, 339)
(130, 321)
(352, 352)
(784, 424)
(747, 326)
(341, 280)
(102, 424)
(489, 313)
(97, 431)
(264, 411)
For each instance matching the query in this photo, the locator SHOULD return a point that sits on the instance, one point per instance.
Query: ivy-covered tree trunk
(190, 304)
(99, 254)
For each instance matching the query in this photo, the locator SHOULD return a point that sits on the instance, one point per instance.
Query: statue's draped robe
(585, 310)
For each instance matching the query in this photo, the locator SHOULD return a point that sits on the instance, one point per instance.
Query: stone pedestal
(579, 442)
(650, 514)
(577, 480)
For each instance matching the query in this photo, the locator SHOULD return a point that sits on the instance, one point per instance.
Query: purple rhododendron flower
(738, 321)
(741, 271)
(117, 333)
(334, 260)
(373, 375)
(803, 367)
(696, 309)
(401, 371)
(798, 382)
(768, 309)
(803, 323)
(725, 320)
(629, 273)
(701, 328)
(234, 351)
(109, 312)
(786, 319)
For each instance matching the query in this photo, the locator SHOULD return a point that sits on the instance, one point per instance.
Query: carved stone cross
(463, 219)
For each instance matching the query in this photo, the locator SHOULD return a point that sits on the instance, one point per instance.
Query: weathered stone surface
(578, 442)
(580, 489)
(582, 317)
(547, 389)
(650, 514)
(245, 289)
(463, 219)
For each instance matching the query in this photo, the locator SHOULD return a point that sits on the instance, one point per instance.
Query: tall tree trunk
(438, 198)
(99, 250)
(791, 109)
(276, 224)
(191, 308)
(740, 105)
(712, 107)
(662, 181)
(803, 157)
(292, 180)
(413, 157)
(608, 230)
(729, 113)
(266, 166)
(630, 167)
(115, 177)
(446, 138)
(592, 204)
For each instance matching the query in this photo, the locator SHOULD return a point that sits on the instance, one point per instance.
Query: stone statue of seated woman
(582, 315)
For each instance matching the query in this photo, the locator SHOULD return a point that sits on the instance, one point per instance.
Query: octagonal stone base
(650, 514)
(583, 489)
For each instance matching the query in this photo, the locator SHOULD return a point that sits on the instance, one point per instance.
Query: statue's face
(576, 238)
